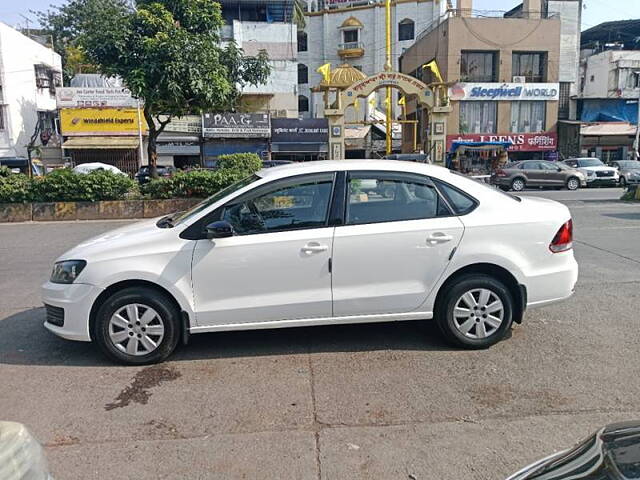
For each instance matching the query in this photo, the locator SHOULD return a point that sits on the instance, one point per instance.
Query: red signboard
(520, 142)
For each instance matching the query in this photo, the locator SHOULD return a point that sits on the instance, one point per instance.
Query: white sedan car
(316, 244)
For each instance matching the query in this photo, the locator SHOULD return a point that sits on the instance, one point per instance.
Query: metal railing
(350, 45)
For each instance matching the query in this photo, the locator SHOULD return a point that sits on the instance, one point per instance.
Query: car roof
(339, 165)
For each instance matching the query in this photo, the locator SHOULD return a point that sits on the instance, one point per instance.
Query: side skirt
(309, 322)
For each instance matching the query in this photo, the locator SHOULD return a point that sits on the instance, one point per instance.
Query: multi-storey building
(507, 73)
(353, 32)
(29, 75)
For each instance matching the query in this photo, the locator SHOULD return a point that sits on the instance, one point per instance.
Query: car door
(397, 239)
(276, 265)
(533, 172)
(553, 175)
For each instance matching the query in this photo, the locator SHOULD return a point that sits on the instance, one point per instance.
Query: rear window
(460, 202)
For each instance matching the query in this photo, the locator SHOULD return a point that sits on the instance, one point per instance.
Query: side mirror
(219, 229)
(558, 169)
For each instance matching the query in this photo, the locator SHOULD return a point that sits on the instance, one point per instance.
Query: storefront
(179, 145)
(522, 146)
(299, 140)
(608, 141)
(226, 133)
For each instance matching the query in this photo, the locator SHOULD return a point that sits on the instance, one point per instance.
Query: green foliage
(245, 162)
(5, 171)
(15, 188)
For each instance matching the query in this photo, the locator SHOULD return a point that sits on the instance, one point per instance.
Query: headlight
(590, 173)
(67, 271)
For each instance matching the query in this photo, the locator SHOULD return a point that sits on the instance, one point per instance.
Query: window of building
(633, 79)
(2, 126)
(303, 74)
(391, 197)
(479, 66)
(303, 103)
(530, 65)
(302, 42)
(478, 117)
(406, 30)
(564, 102)
(528, 116)
(43, 80)
(350, 36)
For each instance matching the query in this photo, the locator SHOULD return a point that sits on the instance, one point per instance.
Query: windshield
(629, 164)
(213, 199)
(590, 162)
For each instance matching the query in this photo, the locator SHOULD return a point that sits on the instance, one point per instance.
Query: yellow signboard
(101, 121)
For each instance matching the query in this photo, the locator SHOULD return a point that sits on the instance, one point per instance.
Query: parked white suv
(597, 172)
(314, 244)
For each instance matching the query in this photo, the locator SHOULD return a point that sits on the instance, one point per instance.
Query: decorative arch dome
(352, 22)
(344, 76)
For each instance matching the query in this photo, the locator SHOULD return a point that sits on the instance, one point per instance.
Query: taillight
(563, 240)
(501, 173)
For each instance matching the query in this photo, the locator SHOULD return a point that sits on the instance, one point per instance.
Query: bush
(15, 188)
(66, 186)
(197, 183)
(245, 162)
(5, 171)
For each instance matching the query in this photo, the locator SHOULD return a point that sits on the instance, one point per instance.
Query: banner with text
(504, 91)
(235, 125)
(520, 142)
(72, 97)
(101, 121)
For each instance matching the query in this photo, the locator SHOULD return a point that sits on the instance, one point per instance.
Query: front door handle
(314, 247)
(438, 237)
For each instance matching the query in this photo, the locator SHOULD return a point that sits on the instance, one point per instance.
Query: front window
(590, 162)
(406, 30)
(478, 117)
(530, 66)
(528, 116)
(289, 204)
(391, 197)
(478, 67)
(350, 36)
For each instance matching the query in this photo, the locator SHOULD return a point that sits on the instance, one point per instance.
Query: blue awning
(479, 145)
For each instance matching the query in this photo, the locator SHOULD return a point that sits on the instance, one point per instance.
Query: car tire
(623, 181)
(131, 314)
(573, 183)
(518, 184)
(477, 328)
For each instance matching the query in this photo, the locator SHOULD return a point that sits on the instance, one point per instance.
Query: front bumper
(593, 181)
(76, 299)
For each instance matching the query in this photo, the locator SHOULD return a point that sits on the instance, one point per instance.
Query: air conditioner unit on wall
(519, 79)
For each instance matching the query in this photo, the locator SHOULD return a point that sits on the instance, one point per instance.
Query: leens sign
(504, 91)
(520, 142)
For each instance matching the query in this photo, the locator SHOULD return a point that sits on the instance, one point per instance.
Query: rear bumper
(553, 287)
(76, 300)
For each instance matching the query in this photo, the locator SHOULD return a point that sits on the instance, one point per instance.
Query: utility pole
(636, 143)
(388, 67)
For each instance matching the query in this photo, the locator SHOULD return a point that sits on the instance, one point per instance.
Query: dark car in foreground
(612, 453)
(628, 170)
(537, 173)
(144, 174)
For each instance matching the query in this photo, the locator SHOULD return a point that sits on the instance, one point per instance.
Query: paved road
(357, 402)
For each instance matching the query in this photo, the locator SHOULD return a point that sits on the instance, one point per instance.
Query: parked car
(597, 173)
(21, 456)
(144, 174)
(537, 173)
(612, 453)
(94, 166)
(628, 172)
(302, 245)
(275, 163)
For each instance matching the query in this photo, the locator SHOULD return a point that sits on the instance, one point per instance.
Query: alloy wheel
(478, 313)
(136, 329)
(573, 184)
(518, 185)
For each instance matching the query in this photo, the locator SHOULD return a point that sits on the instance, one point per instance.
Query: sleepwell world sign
(236, 125)
(504, 91)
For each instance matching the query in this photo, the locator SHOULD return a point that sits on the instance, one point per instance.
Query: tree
(167, 52)
(298, 14)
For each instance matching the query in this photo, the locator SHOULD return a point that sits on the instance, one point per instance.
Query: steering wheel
(257, 217)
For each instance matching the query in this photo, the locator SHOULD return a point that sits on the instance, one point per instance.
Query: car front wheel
(623, 181)
(475, 312)
(573, 183)
(137, 326)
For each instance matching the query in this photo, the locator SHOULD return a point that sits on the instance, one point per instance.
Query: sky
(594, 13)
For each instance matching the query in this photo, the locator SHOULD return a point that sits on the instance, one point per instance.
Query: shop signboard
(76, 97)
(236, 125)
(178, 148)
(520, 142)
(101, 121)
(504, 91)
(186, 124)
(293, 130)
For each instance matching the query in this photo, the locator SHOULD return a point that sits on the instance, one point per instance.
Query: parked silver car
(629, 171)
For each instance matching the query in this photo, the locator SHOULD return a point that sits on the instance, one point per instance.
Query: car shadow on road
(24, 341)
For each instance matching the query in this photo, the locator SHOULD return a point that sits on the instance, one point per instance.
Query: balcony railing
(350, 45)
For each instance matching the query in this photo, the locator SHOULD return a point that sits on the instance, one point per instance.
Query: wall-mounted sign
(520, 142)
(504, 91)
(101, 121)
(293, 130)
(186, 124)
(235, 125)
(178, 148)
(72, 97)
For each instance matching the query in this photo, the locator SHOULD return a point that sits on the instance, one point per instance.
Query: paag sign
(72, 97)
(504, 91)
(520, 142)
(101, 121)
(292, 130)
(235, 125)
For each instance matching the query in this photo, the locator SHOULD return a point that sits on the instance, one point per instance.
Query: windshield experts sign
(504, 91)
(236, 125)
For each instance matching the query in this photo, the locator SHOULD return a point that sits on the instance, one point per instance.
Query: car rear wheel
(137, 326)
(623, 181)
(475, 312)
(518, 184)
(573, 183)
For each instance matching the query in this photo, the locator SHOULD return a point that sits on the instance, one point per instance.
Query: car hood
(600, 168)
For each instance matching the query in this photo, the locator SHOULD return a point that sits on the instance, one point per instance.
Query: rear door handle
(438, 237)
(314, 247)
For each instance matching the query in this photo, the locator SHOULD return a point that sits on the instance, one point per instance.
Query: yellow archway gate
(410, 87)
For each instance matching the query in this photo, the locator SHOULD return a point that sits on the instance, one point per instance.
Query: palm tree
(298, 14)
